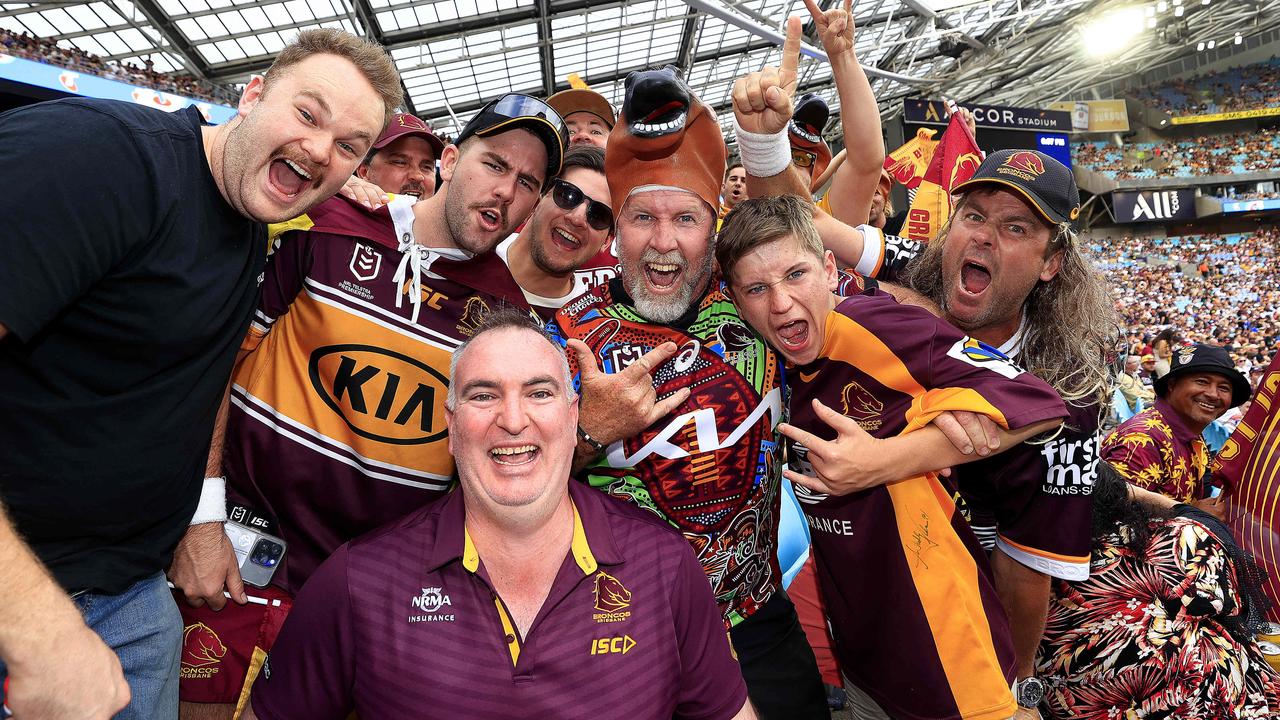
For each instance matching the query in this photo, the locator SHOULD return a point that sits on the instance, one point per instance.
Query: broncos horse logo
(611, 596)
(860, 405)
(473, 314)
(201, 646)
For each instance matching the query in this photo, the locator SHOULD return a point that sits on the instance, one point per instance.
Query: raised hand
(762, 100)
(835, 27)
(616, 406)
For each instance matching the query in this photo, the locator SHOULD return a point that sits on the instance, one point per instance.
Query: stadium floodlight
(1151, 22)
(1162, 6)
(1111, 32)
(1200, 47)
(1177, 11)
(1238, 39)
(1211, 44)
(1151, 11)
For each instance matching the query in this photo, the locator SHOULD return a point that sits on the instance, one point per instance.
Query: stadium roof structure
(454, 55)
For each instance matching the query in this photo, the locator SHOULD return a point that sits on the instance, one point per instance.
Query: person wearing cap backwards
(589, 118)
(403, 160)
(336, 417)
(522, 594)
(1008, 270)
(571, 223)
(1162, 448)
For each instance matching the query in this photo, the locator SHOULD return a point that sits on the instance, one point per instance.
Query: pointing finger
(652, 360)
(668, 405)
(790, 56)
(811, 442)
(814, 10)
(842, 424)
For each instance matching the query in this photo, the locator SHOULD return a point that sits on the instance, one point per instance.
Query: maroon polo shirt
(404, 622)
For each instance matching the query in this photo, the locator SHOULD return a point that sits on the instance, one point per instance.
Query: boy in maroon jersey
(900, 570)
(522, 595)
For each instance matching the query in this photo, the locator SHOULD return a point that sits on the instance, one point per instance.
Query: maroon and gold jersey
(1156, 450)
(597, 271)
(336, 423)
(916, 620)
(710, 468)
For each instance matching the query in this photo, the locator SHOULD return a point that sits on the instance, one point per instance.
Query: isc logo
(380, 394)
(605, 646)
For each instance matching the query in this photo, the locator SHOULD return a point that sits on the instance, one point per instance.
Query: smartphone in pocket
(257, 553)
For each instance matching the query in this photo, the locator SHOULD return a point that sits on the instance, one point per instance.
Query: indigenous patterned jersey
(1157, 451)
(710, 468)
(336, 423)
(1147, 635)
(916, 620)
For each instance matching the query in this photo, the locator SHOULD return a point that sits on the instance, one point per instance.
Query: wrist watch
(1029, 691)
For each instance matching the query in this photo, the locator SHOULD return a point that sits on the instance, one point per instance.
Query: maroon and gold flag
(1248, 468)
(909, 163)
(955, 160)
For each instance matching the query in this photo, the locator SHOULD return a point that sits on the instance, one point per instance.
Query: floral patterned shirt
(1155, 450)
(1144, 637)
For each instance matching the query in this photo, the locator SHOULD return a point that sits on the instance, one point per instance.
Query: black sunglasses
(569, 196)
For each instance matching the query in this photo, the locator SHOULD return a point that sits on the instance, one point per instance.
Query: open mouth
(565, 240)
(799, 130)
(657, 103)
(975, 277)
(490, 220)
(794, 335)
(515, 455)
(662, 276)
(289, 177)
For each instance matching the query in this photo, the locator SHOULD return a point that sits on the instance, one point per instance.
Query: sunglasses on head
(803, 159)
(568, 196)
(515, 105)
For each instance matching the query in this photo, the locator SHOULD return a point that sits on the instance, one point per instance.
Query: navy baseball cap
(1045, 183)
(514, 110)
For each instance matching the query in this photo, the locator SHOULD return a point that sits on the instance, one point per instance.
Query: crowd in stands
(1232, 153)
(1242, 88)
(43, 50)
(1210, 288)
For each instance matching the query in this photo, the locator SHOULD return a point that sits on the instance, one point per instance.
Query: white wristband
(763, 155)
(213, 502)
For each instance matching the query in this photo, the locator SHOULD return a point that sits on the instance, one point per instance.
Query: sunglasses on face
(568, 196)
(803, 159)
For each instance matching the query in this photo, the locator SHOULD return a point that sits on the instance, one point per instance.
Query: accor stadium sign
(934, 112)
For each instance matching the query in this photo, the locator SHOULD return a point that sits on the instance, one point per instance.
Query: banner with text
(934, 112)
(1234, 115)
(1154, 205)
(1096, 115)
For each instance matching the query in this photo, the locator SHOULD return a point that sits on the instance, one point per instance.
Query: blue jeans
(143, 626)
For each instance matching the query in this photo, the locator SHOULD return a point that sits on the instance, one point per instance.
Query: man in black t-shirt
(134, 241)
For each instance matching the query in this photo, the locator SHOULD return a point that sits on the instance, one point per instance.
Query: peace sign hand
(762, 100)
(835, 27)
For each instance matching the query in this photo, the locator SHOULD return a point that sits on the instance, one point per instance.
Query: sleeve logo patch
(982, 355)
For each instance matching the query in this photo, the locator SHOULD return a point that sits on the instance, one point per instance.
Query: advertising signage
(1233, 206)
(69, 81)
(934, 112)
(1154, 205)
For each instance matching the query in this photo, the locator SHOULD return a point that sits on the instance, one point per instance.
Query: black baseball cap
(1044, 182)
(514, 110)
(1205, 358)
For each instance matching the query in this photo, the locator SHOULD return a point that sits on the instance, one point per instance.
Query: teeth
(663, 268)
(298, 169)
(568, 238)
(513, 450)
(640, 128)
(804, 133)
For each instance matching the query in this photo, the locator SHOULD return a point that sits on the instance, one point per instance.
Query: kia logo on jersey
(380, 394)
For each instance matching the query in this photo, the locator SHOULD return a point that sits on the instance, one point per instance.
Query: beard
(666, 309)
(457, 217)
(538, 250)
